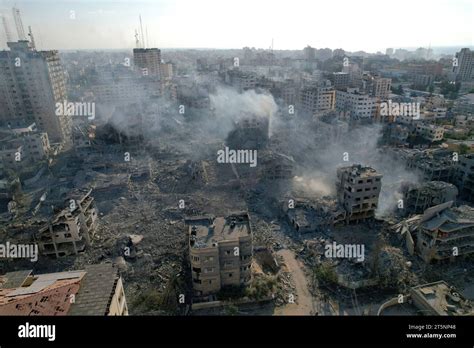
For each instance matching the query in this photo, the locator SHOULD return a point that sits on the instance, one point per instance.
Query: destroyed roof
(42, 294)
(435, 186)
(48, 294)
(360, 171)
(43, 281)
(204, 233)
(14, 279)
(449, 219)
(96, 292)
(443, 299)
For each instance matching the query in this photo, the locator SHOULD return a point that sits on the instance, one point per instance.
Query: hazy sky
(368, 25)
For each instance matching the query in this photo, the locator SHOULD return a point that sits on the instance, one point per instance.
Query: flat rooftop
(207, 232)
(443, 299)
(360, 171)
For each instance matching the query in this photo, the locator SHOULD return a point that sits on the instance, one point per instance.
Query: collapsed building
(70, 231)
(432, 164)
(358, 190)
(126, 127)
(251, 132)
(442, 232)
(308, 215)
(464, 178)
(83, 135)
(273, 168)
(276, 166)
(418, 198)
(242, 81)
(435, 164)
(193, 97)
(220, 251)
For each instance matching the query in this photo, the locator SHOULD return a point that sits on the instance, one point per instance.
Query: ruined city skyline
(187, 24)
(173, 183)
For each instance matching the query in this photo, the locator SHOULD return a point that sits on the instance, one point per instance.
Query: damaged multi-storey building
(464, 177)
(276, 166)
(446, 232)
(70, 231)
(251, 132)
(358, 190)
(34, 144)
(308, 215)
(443, 232)
(418, 198)
(432, 164)
(242, 81)
(126, 127)
(193, 97)
(220, 251)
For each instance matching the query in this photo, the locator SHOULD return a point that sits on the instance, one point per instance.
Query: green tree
(463, 149)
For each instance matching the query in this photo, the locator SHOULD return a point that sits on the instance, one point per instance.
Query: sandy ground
(304, 302)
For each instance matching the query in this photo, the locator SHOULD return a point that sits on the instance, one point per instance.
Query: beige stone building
(358, 190)
(220, 251)
(381, 87)
(317, 99)
(70, 231)
(429, 132)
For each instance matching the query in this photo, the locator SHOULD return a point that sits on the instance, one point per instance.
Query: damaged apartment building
(308, 215)
(220, 251)
(442, 232)
(464, 178)
(446, 232)
(358, 190)
(433, 164)
(21, 146)
(250, 132)
(441, 165)
(418, 198)
(70, 231)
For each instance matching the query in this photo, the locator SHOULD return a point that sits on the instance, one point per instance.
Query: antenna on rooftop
(146, 30)
(19, 24)
(32, 38)
(6, 29)
(137, 41)
(141, 31)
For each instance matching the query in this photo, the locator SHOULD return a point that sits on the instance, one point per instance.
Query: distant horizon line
(409, 48)
(264, 49)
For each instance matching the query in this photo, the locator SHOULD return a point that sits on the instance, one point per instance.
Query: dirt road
(304, 302)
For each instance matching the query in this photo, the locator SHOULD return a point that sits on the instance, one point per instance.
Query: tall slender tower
(32, 38)
(8, 34)
(19, 24)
